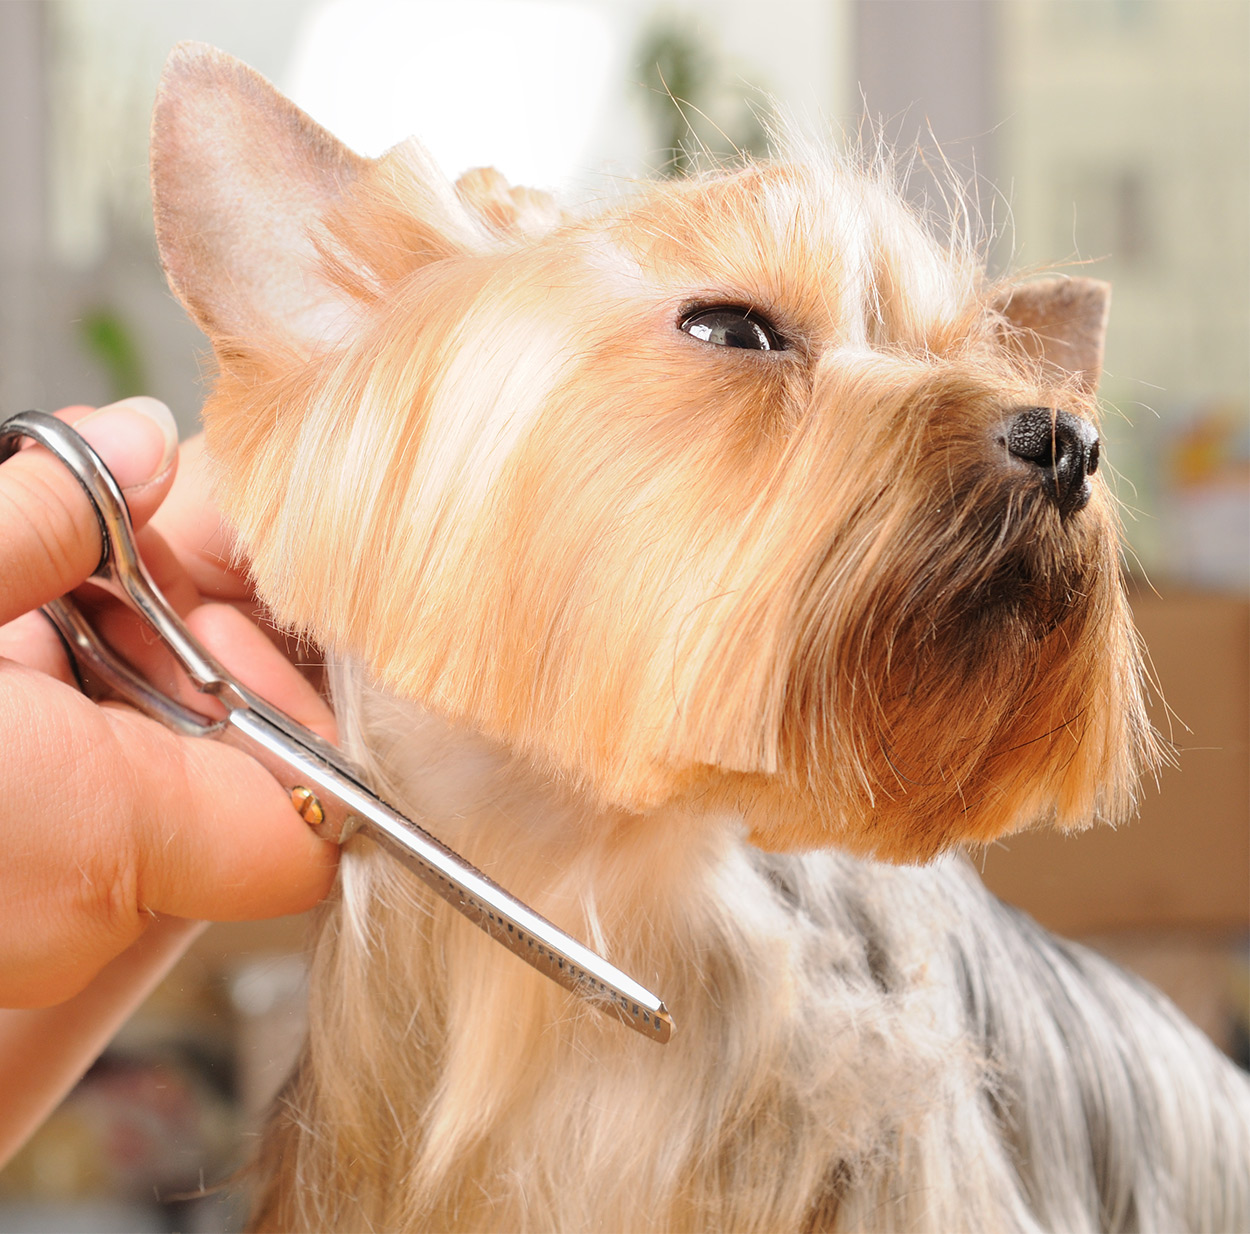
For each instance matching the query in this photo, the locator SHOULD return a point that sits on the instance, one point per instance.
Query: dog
(708, 566)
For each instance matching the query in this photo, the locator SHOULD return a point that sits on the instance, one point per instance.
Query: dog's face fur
(482, 447)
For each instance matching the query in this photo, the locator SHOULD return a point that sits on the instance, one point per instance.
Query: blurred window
(518, 84)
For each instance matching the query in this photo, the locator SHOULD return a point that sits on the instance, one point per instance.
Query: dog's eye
(728, 326)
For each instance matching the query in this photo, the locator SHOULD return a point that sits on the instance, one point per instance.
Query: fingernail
(136, 438)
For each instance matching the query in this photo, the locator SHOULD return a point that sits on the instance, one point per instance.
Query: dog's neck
(588, 869)
(822, 1005)
(672, 898)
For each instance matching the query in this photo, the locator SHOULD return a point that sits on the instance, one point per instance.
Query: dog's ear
(241, 178)
(505, 209)
(1060, 321)
(269, 226)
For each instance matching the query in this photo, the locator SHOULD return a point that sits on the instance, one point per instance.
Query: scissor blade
(348, 806)
(532, 937)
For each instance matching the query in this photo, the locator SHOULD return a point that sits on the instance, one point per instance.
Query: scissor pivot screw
(307, 806)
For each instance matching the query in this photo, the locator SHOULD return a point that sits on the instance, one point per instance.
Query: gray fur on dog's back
(1117, 1113)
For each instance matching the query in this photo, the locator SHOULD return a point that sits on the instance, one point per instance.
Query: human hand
(106, 817)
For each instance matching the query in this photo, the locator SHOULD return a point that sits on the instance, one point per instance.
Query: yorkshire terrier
(703, 566)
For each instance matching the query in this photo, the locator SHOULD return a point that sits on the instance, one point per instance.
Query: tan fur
(604, 600)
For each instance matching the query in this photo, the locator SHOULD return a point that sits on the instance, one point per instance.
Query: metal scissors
(325, 788)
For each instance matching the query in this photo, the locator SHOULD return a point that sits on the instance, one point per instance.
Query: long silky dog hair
(692, 564)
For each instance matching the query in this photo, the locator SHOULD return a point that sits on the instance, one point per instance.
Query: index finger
(49, 533)
(193, 527)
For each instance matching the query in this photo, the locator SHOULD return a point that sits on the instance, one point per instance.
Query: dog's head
(743, 491)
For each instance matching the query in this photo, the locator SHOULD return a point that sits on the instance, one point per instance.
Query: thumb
(49, 534)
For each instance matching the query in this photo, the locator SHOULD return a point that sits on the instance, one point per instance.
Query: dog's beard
(955, 660)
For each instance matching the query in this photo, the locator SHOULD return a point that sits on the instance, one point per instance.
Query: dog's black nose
(1062, 446)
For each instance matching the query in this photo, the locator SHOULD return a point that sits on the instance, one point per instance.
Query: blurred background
(1109, 137)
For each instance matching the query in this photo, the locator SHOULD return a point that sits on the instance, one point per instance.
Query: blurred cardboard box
(1185, 862)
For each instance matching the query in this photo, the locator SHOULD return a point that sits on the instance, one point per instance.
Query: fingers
(111, 818)
(260, 666)
(203, 545)
(32, 640)
(194, 529)
(115, 818)
(49, 535)
(242, 648)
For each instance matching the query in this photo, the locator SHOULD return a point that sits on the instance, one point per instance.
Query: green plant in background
(109, 341)
(688, 89)
(676, 78)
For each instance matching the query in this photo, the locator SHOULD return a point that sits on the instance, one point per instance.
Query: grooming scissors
(325, 789)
